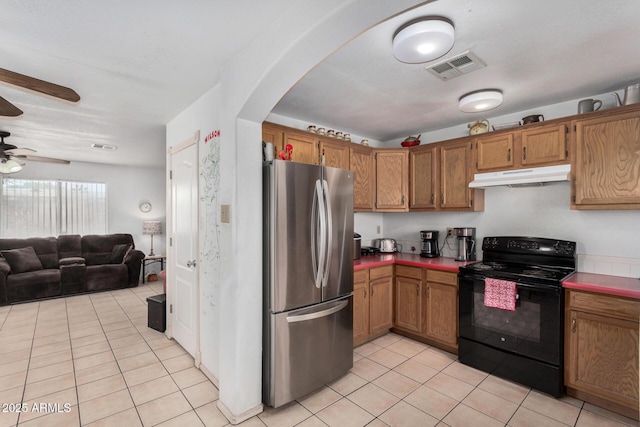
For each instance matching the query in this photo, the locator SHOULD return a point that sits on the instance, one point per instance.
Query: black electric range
(524, 344)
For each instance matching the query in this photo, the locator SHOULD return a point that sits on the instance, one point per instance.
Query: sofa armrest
(71, 261)
(5, 269)
(133, 261)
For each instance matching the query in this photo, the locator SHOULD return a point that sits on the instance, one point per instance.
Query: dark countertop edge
(628, 287)
(439, 263)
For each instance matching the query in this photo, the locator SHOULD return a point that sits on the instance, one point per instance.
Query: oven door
(533, 330)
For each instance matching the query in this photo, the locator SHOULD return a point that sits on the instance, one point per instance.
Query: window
(32, 208)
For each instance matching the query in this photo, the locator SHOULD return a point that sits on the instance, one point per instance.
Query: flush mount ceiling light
(423, 40)
(480, 101)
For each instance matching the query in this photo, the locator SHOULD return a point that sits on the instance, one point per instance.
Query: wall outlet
(449, 231)
(378, 229)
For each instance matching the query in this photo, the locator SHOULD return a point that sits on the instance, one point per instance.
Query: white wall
(126, 186)
(203, 117)
(607, 241)
(306, 32)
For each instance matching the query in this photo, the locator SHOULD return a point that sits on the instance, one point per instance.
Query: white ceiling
(137, 64)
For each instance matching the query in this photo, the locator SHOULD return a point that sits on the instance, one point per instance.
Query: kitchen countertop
(604, 284)
(439, 263)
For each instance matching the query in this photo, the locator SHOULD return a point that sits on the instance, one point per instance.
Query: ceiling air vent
(456, 66)
(108, 147)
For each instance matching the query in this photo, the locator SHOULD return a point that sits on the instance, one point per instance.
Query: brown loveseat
(44, 267)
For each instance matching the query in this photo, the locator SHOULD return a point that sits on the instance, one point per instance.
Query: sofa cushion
(46, 248)
(96, 249)
(107, 276)
(119, 253)
(33, 285)
(69, 246)
(22, 260)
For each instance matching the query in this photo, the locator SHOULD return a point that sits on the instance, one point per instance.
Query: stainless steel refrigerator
(308, 278)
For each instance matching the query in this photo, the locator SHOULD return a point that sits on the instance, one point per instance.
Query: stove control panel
(531, 245)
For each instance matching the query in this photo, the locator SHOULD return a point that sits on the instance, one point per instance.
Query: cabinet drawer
(378, 272)
(605, 304)
(444, 277)
(361, 276)
(413, 272)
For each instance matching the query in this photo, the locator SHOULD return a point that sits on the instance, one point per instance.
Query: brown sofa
(44, 267)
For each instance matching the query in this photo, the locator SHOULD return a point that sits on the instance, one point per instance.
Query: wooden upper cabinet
(423, 170)
(392, 180)
(274, 135)
(336, 154)
(362, 165)
(606, 163)
(305, 147)
(546, 145)
(455, 173)
(494, 152)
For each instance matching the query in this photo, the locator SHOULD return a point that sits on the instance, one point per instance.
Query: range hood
(522, 177)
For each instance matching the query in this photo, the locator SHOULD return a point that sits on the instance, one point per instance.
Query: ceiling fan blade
(41, 159)
(20, 151)
(8, 109)
(18, 161)
(38, 85)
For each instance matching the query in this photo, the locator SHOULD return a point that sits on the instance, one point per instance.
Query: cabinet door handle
(372, 288)
(365, 292)
(573, 325)
(524, 153)
(428, 291)
(418, 289)
(402, 200)
(509, 155)
(431, 202)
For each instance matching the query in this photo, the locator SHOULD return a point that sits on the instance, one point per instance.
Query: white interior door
(184, 249)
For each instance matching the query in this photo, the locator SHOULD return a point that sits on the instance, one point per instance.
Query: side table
(148, 260)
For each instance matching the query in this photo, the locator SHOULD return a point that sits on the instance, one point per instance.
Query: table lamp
(151, 228)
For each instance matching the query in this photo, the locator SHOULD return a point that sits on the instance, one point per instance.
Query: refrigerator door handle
(329, 232)
(319, 314)
(318, 213)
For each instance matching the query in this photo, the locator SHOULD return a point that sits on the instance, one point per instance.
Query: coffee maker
(429, 244)
(466, 243)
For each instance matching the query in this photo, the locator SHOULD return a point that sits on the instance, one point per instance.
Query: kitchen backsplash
(605, 239)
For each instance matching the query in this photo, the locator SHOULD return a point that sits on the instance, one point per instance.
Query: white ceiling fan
(12, 158)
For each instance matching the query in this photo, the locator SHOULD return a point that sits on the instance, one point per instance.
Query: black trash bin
(157, 312)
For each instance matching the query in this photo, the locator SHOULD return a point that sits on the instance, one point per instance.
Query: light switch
(225, 214)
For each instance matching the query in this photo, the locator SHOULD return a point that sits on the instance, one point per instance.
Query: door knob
(191, 263)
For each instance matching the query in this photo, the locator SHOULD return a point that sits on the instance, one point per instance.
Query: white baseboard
(209, 375)
(237, 419)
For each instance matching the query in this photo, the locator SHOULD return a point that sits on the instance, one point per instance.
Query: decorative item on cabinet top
(332, 133)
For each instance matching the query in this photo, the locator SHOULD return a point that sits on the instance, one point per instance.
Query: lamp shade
(423, 40)
(480, 101)
(152, 227)
(9, 166)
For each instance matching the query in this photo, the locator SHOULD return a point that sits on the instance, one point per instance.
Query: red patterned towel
(500, 294)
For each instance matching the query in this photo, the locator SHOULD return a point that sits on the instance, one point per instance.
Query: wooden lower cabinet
(372, 303)
(360, 306)
(441, 309)
(426, 307)
(408, 304)
(601, 350)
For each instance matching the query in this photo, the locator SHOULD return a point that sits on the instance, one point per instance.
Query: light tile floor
(91, 360)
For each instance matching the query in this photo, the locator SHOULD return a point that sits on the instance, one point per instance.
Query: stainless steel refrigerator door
(290, 189)
(307, 349)
(338, 280)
